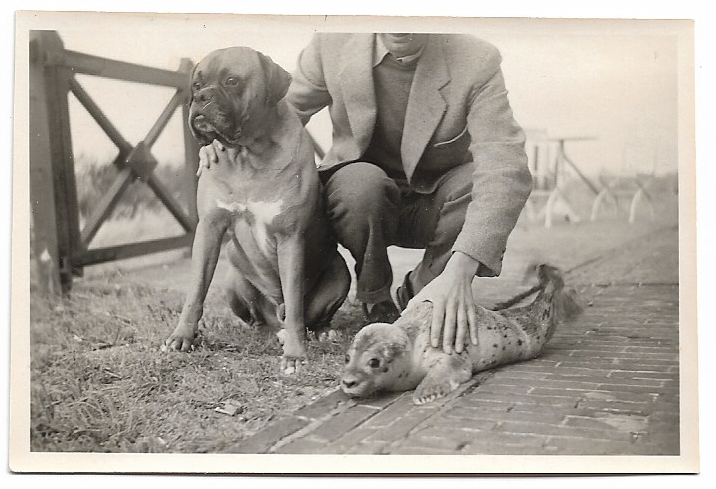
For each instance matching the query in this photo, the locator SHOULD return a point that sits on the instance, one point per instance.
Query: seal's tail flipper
(559, 301)
(564, 298)
(548, 273)
(544, 273)
(565, 308)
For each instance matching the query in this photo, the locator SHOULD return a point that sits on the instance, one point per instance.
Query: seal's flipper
(442, 378)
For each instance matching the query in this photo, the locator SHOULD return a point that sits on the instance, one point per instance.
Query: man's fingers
(217, 148)
(449, 327)
(203, 160)
(209, 154)
(461, 328)
(412, 301)
(472, 322)
(436, 326)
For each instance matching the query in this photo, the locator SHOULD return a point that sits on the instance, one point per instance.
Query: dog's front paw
(182, 339)
(291, 366)
(294, 355)
(330, 336)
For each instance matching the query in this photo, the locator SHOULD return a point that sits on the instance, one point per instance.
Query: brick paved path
(607, 384)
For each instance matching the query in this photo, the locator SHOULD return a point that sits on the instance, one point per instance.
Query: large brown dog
(264, 191)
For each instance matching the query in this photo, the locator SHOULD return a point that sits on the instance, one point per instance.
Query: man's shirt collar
(380, 52)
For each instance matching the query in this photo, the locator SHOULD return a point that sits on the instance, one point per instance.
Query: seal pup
(398, 357)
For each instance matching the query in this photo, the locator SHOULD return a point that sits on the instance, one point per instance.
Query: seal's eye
(348, 358)
(232, 81)
(374, 363)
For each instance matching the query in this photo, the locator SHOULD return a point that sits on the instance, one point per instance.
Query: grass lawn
(100, 382)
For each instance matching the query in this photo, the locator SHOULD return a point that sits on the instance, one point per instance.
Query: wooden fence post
(52, 82)
(191, 147)
(42, 193)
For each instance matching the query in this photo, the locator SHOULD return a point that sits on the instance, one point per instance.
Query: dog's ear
(277, 80)
(190, 82)
(197, 136)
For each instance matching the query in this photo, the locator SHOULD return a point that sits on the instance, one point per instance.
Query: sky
(614, 81)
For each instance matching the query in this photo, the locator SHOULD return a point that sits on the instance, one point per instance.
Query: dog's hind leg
(328, 295)
(242, 298)
(249, 304)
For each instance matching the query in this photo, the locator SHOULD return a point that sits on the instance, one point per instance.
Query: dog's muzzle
(202, 124)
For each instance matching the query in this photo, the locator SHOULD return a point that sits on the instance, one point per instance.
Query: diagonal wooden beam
(163, 119)
(141, 161)
(138, 164)
(102, 120)
(162, 193)
(165, 196)
(106, 204)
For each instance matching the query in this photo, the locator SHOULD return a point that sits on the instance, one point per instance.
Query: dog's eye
(232, 81)
(374, 363)
(348, 358)
(196, 86)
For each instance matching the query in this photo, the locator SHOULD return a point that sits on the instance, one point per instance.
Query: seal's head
(378, 359)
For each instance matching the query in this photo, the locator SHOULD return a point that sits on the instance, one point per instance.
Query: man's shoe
(404, 293)
(382, 312)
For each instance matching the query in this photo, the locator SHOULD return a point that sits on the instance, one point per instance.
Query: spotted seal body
(399, 357)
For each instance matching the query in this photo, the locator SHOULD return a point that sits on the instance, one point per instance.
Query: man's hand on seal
(209, 155)
(453, 304)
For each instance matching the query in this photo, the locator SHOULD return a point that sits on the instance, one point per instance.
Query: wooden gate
(60, 244)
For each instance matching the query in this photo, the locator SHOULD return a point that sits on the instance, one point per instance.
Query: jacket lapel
(356, 74)
(426, 104)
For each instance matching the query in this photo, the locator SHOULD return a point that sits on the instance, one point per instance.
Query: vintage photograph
(277, 235)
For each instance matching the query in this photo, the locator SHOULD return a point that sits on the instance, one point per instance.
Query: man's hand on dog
(209, 154)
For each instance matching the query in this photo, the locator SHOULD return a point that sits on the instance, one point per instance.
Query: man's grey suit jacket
(458, 113)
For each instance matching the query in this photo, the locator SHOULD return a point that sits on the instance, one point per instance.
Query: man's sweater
(392, 81)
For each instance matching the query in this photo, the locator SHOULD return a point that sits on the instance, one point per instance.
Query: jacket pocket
(447, 154)
(453, 140)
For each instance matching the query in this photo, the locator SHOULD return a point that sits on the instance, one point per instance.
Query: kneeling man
(426, 154)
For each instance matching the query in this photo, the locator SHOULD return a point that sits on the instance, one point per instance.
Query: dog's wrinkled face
(375, 360)
(234, 91)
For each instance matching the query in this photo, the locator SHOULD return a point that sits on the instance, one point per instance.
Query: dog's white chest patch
(234, 207)
(257, 216)
(264, 212)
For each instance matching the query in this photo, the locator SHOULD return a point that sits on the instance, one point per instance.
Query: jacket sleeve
(501, 179)
(308, 92)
